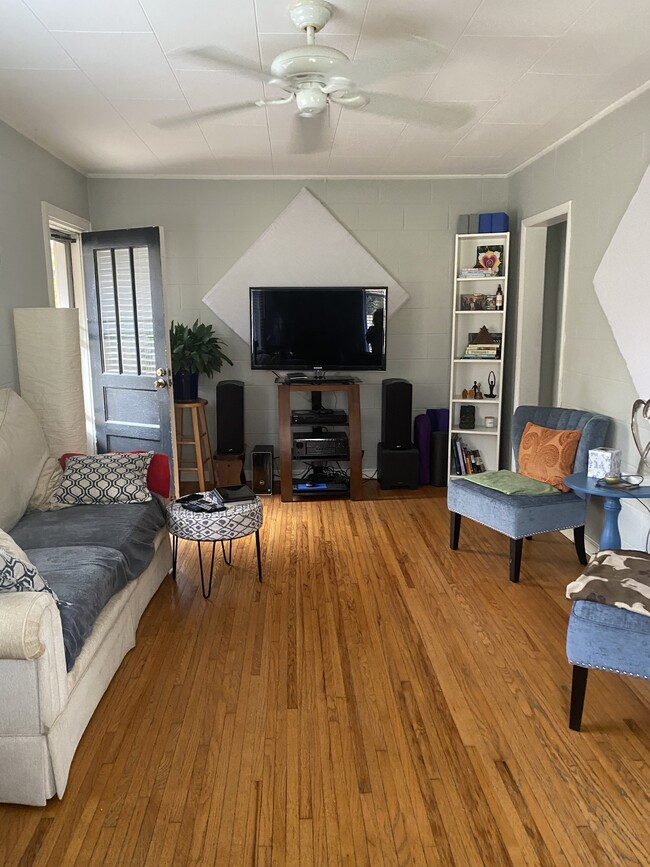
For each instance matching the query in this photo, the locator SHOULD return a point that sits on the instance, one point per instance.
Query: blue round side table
(610, 537)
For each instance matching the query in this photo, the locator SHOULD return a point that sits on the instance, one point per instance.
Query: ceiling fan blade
(218, 58)
(400, 55)
(447, 114)
(309, 134)
(206, 114)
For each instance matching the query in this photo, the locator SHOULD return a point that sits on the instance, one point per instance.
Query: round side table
(238, 520)
(610, 537)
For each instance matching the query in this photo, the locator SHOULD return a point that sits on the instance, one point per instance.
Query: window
(62, 275)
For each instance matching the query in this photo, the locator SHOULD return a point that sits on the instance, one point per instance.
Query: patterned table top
(238, 520)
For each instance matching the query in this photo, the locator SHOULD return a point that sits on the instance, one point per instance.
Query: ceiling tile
(243, 141)
(62, 111)
(443, 21)
(355, 139)
(526, 17)
(206, 89)
(491, 139)
(483, 67)
(118, 16)
(204, 22)
(123, 65)
(537, 98)
(26, 44)
(143, 115)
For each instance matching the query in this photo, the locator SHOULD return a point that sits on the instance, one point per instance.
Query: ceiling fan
(317, 76)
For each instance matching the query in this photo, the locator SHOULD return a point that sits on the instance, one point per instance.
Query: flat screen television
(319, 327)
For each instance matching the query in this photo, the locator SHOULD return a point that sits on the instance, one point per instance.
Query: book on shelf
(476, 272)
(465, 461)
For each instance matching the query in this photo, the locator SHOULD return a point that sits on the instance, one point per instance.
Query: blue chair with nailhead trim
(520, 517)
(605, 637)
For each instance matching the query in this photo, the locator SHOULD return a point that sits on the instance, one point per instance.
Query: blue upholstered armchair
(522, 516)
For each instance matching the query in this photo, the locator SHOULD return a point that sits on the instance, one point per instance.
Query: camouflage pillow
(618, 578)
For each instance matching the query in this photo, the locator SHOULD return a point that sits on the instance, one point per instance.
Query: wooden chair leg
(579, 541)
(454, 530)
(578, 689)
(516, 547)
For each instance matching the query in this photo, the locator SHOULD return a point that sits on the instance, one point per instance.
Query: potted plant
(194, 349)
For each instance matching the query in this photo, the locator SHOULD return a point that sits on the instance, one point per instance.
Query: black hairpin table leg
(259, 556)
(174, 555)
(227, 560)
(206, 595)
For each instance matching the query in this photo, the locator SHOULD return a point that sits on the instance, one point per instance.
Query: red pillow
(158, 473)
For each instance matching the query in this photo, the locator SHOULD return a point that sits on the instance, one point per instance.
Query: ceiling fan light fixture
(311, 101)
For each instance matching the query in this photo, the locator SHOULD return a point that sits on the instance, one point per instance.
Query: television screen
(328, 328)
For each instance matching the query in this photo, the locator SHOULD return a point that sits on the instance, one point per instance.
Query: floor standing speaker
(230, 417)
(262, 469)
(396, 412)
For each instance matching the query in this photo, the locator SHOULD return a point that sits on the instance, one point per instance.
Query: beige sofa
(44, 709)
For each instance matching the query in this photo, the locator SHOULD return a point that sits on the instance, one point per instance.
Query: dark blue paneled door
(128, 340)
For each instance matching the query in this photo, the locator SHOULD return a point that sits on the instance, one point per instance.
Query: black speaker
(398, 468)
(396, 412)
(230, 417)
(262, 469)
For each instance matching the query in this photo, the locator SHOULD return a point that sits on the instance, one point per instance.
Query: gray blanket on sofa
(87, 554)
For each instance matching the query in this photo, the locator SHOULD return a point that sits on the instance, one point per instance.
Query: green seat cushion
(511, 483)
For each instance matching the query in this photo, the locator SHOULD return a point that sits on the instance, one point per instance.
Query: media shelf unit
(351, 390)
(465, 371)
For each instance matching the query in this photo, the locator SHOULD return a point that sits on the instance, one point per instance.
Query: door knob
(160, 383)
(161, 372)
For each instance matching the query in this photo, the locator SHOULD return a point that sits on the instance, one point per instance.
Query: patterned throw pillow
(102, 479)
(21, 575)
(547, 455)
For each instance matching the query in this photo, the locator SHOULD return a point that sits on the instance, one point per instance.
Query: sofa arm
(20, 624)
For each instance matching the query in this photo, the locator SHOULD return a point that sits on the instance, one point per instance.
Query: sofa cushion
(547, 454)
(102, 479)
(87, 554)
(128, 527)
(84, 578)
(23, 456)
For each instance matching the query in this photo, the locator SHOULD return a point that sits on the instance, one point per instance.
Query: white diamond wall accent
(305, 246)
(621, 284)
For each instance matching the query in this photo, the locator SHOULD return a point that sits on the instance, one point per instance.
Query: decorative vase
(186, 386)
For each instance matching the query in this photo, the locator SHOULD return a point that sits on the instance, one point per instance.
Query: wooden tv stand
(354, 434)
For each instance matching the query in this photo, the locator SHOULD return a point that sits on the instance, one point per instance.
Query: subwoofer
(262, 469)
(396, 412)
(230, 417)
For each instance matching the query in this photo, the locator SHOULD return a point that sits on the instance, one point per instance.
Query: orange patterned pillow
(547, 455)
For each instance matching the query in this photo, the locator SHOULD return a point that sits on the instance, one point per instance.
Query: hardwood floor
(379, 699)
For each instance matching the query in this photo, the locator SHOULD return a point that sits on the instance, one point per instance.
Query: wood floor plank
(377, 700)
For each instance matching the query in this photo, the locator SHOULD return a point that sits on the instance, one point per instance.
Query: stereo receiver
(321, 445)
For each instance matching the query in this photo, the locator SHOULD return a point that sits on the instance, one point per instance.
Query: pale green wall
(408, 226)
(598, 171)
(28, 176)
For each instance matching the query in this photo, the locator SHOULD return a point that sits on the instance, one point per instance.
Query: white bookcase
(471, 293)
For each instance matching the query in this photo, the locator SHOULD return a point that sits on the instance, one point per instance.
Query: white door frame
(530, 302)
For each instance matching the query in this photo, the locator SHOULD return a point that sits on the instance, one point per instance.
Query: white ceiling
(87, 79)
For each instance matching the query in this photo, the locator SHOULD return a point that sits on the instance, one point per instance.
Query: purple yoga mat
(422, 437)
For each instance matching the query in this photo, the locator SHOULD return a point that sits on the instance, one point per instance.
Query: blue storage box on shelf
(484, 223)
(500, 222)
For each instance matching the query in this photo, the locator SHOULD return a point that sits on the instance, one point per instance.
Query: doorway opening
(543, 273)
